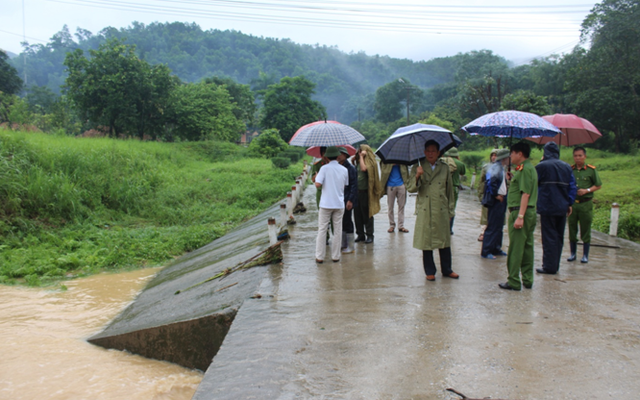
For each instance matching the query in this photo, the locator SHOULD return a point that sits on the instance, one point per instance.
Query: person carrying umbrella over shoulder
(434, 209)
(369, 191)
(588, 181)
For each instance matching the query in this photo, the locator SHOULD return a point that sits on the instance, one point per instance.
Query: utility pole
(24, 53)
(408, 91)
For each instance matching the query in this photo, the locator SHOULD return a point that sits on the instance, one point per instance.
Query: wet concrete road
(372, 327)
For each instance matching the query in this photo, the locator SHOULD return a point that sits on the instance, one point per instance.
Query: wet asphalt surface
(372, 327)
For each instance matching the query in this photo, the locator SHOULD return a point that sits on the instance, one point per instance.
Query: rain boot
(585, 253)
(574, 248)
(349, 248)
(344, 241)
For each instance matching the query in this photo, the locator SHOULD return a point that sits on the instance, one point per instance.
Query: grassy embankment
(620, 175)
(72, 207)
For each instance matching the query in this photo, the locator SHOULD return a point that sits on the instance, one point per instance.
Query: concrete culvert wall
(183, 315)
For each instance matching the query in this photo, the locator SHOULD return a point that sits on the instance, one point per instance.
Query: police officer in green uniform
(588, 181)
(521, 203)
(455, 175)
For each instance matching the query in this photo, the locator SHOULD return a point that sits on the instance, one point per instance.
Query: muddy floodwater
(44, 354)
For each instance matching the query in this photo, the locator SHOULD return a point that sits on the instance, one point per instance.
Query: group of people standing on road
(553, 189)
(436, 184)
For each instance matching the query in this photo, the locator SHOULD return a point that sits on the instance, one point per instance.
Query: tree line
(185, 83)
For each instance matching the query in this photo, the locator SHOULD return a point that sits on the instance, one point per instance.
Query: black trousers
(347, 221)
(364, 224)
(492, 242)
(430, 265)
(552, 230)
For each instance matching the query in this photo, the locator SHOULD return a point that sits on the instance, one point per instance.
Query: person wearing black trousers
(556, 193)
(495, 199)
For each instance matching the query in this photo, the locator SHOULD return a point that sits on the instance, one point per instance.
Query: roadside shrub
(281, 162)
(293, 153)
(629, 227)
(473, 161)
(268, 144)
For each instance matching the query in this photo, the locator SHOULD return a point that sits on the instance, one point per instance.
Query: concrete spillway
(188, 328)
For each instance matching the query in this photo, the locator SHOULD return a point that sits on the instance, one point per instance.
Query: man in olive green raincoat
(435, 205)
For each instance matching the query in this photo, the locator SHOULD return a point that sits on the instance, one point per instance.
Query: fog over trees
(599, 80)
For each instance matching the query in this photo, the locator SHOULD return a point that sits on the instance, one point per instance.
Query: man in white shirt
(332, 179)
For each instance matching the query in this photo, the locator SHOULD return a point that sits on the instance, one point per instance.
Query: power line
(399, 26)
(28, 37)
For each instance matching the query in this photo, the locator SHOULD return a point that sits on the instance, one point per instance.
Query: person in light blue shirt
(394, 177)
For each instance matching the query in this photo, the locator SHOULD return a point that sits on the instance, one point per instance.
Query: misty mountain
(345, 81)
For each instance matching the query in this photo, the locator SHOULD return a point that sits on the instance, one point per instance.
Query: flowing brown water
(44, 355)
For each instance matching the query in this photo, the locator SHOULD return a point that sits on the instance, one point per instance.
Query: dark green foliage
(118, 90)
(10, 82)
(629, 226)
(41, 99)
(193, 54)
(293, 153)
(391, 100)
(268, 144)
(604, 82)
(198, 111)
(473, 161)
(288, 106)
(281, 162)
(241, 96)
(75, 206)
(526, 100)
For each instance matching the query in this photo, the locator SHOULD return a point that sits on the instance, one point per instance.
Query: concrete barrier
(185, 312)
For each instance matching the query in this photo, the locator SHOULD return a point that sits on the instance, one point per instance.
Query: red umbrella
(575, 130)
(314, 151)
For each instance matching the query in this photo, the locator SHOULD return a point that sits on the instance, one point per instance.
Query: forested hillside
(193, 54)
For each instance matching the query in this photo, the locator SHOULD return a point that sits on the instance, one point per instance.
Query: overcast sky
(414, 29)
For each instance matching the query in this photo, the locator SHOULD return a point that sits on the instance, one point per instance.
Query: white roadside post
(283, 214)
(473, 180)
(615, 213)
(289, 205)
(273, 234)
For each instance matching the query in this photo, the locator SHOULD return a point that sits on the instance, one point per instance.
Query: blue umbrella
(325, 133)
(406, 144)
(511, 124)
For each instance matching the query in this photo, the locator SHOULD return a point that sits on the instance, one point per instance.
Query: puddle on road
(45, 355)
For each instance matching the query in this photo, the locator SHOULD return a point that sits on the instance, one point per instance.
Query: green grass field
(620, 175)
(74, 206)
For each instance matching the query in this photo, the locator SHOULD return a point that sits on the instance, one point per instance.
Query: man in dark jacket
(556, 194)
(350, 198)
